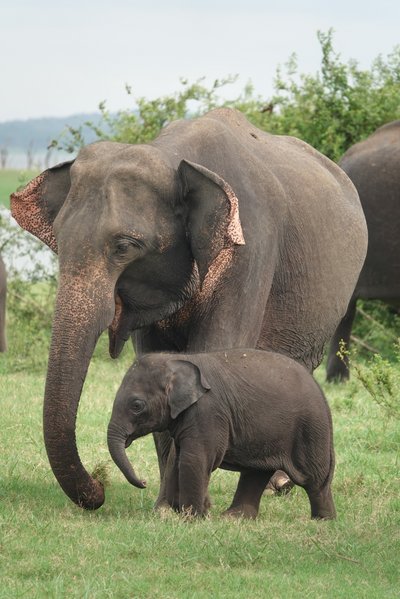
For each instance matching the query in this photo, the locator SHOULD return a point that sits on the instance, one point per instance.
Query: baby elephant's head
(156, 389)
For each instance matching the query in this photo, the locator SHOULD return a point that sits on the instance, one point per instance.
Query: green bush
(376, 329)
(10, 180)
(379, 377)
(338, 106)
(143, 123)
(332, 109)
(32, 283)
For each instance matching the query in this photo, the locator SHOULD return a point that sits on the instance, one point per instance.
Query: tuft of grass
(101, 472)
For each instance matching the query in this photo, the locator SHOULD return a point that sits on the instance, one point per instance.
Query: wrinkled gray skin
(245, 410)
(3, 293)
(374, 167)
(215, 234)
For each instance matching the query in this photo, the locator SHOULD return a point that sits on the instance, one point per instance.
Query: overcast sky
(58, 59)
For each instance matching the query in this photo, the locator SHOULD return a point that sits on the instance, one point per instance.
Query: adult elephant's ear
(36, 206)
(213, 221)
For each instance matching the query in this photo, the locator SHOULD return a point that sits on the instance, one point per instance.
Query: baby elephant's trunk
(116, 445)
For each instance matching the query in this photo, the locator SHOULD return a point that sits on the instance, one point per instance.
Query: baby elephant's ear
(185, 386)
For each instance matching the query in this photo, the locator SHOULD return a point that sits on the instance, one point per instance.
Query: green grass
(51, 548)
(10, 180)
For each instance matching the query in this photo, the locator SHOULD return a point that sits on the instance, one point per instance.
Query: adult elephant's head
(129, 229)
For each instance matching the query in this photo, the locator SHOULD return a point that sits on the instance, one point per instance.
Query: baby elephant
(245, 410)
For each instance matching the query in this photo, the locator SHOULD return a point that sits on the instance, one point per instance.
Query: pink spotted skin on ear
(233, 236)
(27, 207)
(217, 268)
(234, 230)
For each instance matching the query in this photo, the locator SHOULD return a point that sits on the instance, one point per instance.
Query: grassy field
(10, 180)
(51, 548)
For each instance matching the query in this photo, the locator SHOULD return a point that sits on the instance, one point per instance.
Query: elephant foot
(338, 375)
(248, 512)
(279, 484)
(337, 370)
(207, 503)
(161, 505)
(322, 504)
(191, 514)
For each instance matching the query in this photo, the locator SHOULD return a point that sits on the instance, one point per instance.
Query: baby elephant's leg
(172, 484)
(174, 498)
(246, 501)
(194, 477)
(321, 501)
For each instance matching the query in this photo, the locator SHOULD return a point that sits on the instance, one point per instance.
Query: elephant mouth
(120, 328)
(129, 440)
(128, 318)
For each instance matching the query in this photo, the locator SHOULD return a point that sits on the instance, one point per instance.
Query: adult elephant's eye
(123, 248)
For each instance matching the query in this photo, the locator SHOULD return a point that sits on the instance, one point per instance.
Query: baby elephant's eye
(137, 405)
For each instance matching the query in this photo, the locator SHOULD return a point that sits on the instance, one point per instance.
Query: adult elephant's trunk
(116, 445)
(84, 309)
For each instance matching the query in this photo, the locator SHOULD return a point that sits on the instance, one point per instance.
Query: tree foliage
(339, 105)
(333, 109)
(148, 117)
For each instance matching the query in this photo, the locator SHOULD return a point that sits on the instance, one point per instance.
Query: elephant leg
(194, 477)
(172, 483)
(168, 465)
(321, 502)
(166, 454)
(337, 368)
(246, 501)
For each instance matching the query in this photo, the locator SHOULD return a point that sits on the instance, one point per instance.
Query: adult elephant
(3, 293)
(374, 167)
(215, 235)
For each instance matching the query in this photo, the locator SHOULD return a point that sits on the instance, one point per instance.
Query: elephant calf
(245, 410)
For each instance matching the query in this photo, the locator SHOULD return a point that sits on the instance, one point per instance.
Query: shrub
(379, 377)
(332, 109)
(31, 271)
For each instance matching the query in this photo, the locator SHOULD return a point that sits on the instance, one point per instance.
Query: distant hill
(24, 143)
(40, 132)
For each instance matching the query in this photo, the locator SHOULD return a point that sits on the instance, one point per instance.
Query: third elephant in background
(374, 167)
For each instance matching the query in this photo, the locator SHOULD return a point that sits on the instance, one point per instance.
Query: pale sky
(57, 59)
